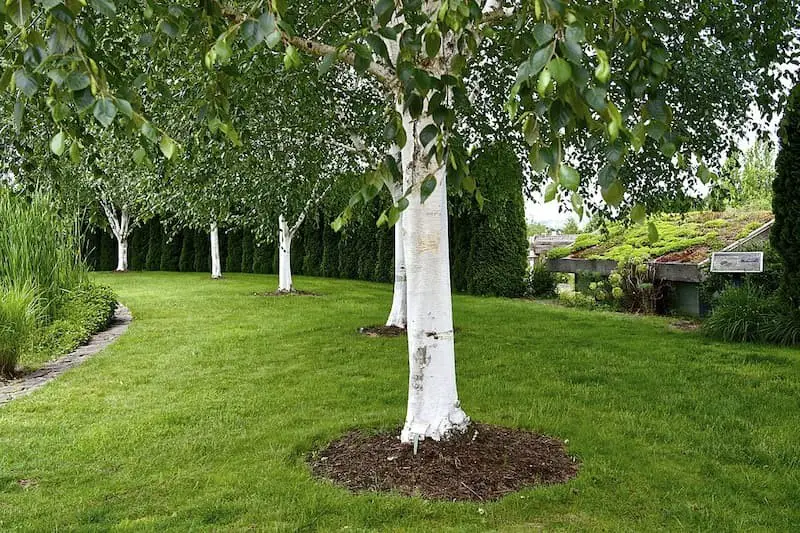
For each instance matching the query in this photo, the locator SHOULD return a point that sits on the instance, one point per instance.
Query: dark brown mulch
(286, 293)
(382, 331)
(485, 463)
(685, 325)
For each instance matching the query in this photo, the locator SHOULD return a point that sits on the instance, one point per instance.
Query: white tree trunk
(434, 410)
(216, 262)
(122, 254)
(398, 316)
(285, 235)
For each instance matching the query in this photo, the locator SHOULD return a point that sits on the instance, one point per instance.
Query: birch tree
(591, 70)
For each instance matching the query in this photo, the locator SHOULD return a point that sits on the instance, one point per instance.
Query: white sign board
(738, 262)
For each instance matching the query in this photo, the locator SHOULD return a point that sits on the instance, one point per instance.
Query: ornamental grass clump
(19, 315)
(38, 249)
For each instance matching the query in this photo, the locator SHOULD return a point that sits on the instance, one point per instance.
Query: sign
(737, 262)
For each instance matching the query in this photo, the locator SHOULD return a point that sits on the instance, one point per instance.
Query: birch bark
(216, 262)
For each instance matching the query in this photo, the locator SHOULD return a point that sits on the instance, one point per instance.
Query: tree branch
(384, 75)
(338, 14)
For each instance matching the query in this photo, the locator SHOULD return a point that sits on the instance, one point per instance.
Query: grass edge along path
(201, 416)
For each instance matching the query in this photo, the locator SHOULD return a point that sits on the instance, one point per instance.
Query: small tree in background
(786, 200)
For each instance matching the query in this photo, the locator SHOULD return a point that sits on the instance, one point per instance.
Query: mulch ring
(382, 331)
(484, 463)
(685, 325)
(286, 293)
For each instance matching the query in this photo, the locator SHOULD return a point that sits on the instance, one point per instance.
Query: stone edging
(25, 385)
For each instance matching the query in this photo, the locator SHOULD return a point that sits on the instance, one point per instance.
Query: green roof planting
(683, 238)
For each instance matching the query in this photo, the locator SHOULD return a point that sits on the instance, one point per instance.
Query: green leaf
(543, 33)
(560, 69)
(569, 178)
(531, 130)
(19, 11)
(384, 9)
(652, 233)
(596, 98)
(77, 81)
(378, 46)
(25, 82)
(58, 144)
(639, 214)
(291, 58)
(222, 50)
(363, 57)
(60, 111)
(534, 65)
(252, 34)
(427, 187)
(428, 134)
(124, 106)
(577, 204)
(105, 7)
(279, 6)
(105, 111)
(75, 152)
(414, 104)
(433, 43)
(167, 146)
(149, 132)
(327, 62)
(550, 192)
(613, 193)
(140, 157)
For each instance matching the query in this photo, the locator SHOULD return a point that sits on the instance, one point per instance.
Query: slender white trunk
(398, 316)
(216, 263)
(434, 410)
(285, 235)
(122, 255)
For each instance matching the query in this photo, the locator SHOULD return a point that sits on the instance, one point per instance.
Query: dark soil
(485, 463)
(382, 331)
(286, 293)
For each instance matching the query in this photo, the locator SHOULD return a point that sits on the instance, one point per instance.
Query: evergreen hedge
(785, 235)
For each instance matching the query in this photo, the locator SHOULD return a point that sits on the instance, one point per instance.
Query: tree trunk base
(484, 463)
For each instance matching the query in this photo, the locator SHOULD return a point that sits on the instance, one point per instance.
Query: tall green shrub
(248, 249)
(233, 261)
(186, 262)
(155, 243)
(262, 258)
(171, 253)
(785, 234)
(499, 245)
(330, 252)
(313, 247)
(202, 252)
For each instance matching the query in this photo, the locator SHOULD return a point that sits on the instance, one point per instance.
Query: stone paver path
(11, 390)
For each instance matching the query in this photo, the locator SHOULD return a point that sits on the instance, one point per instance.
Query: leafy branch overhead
(591, 74)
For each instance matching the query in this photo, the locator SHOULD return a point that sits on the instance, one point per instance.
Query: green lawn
(199, 417)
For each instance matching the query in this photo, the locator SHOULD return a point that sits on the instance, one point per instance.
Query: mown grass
(200, 416)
